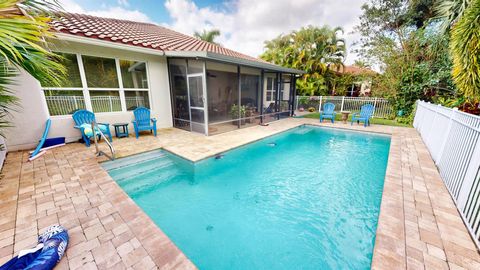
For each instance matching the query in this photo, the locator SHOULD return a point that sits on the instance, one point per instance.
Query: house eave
(108, 44)
(231, 60)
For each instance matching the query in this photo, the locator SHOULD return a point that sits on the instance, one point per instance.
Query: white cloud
(246, 24)
(123, 3)
(117, 12)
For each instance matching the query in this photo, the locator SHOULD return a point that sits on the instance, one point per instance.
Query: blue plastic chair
(142, 121)
(328, 112)
(83, 119)
(366, 112)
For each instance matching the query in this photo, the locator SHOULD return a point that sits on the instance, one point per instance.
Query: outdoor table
(345, 116)
(121, 130)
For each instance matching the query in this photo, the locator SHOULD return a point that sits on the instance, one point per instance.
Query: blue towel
(48, 252)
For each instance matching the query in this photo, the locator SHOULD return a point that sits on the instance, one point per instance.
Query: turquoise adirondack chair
(328, 112)
(143, 121)
(83, 122)
(366, 112)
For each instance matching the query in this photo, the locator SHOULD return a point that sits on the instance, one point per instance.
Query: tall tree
(208, 36)
(24, 31)
(400, 37)
(465, 49)
(316, 50)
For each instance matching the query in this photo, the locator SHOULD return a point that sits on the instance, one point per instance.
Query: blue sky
(155, 9)
(244, 24)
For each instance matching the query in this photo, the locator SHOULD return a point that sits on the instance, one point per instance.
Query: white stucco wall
(30, 118)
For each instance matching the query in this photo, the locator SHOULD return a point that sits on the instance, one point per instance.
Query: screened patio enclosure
(213, 97)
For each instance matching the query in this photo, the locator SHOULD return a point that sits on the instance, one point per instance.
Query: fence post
(296, 104)
(374, 106)
(320, 104)
(447, 134)
(343, 101)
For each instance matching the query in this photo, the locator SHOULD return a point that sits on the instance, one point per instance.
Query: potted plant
(238, 112)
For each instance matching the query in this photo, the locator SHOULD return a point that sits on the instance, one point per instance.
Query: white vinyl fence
(383, 109)
(452, 137)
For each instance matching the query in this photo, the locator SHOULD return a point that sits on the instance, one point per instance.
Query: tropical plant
(24, 31)
(315, 50)
(449, 11)
(237, 111)
(411, 49)
(208, 36)
(465, 50)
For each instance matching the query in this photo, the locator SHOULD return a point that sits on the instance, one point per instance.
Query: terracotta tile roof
(354, 70)
(144, 35)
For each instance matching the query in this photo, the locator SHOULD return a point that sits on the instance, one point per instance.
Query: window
(105, 101)
(135, 83)
(110, 86)
(100, 72)
(135, 99)
(71, 66)
(62, 102)
(69, 97)
(134, 74)
(270, 91)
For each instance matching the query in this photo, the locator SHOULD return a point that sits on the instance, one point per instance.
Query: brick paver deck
(419, 226)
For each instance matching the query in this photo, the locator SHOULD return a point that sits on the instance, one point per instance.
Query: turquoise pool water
(308, 198)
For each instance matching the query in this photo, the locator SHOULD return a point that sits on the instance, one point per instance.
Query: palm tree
(465, 51)
(316, 50)
(24, 31)
(449, 11)
(208, 36)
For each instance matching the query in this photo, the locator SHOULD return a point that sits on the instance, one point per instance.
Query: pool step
(147, 182)
(135, 170)
(303, 130)
(129, 161)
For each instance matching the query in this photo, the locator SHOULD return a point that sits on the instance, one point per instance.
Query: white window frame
(86, 90)
(271, 91)
(134, 89)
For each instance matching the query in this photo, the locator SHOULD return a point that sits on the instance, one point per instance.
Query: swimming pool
(307, 198)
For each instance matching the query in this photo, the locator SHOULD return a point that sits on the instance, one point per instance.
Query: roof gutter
(109, 44)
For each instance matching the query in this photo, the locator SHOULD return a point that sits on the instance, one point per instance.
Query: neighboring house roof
(354, 70)
(152, 36)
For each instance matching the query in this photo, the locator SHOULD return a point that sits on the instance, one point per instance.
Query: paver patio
(419, 226)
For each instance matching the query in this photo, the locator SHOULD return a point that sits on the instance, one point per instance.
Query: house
(363, 85)
(115, 66)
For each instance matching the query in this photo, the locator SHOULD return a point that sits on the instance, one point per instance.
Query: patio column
(277, 94)
(292, 95)
(262, 79)
(239, 97)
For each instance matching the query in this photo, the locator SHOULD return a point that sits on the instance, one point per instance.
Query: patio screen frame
(262, 114)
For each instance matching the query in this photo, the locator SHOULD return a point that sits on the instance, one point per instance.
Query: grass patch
(375, 121)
